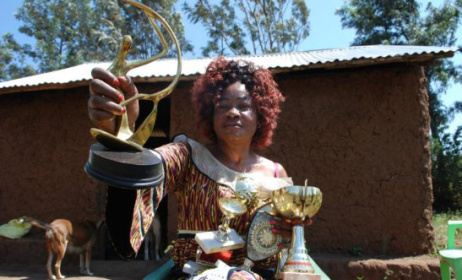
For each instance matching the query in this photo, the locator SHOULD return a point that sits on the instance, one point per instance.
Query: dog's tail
(36, 223)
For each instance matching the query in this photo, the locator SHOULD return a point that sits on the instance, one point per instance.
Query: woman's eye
(222, 106)
(244, 107)
(225, 106)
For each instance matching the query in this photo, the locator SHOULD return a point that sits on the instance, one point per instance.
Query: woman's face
(234, 115)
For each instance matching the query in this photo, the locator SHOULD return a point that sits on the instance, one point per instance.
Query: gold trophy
(119, 159)
(297, 203)
(225, 238)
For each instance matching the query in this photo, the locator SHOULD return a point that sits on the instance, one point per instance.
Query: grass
(440, 226)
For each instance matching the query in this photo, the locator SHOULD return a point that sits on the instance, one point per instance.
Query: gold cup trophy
(297, 203)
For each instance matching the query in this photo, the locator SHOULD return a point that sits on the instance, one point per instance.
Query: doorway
(120, 202)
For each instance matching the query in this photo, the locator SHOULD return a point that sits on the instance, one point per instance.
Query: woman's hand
(103, 104)
(284, 228)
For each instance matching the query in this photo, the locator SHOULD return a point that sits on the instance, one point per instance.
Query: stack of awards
(294, 203)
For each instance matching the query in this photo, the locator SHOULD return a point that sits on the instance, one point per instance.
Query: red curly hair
(258, 82)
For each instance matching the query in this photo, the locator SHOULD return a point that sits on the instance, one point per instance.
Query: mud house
(355, 123)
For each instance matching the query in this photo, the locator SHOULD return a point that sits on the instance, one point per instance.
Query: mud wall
(44, 144)
(363, 137)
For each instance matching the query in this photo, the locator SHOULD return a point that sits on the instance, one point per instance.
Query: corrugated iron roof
(164, 69)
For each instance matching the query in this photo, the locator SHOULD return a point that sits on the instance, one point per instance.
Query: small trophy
(120, 160)
(297, 203)
(246, 189)
(225, 238)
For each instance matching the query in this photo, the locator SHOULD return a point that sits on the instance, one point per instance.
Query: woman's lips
(233, 124)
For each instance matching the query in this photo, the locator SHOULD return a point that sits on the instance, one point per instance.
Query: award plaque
(119, 159)
(262, 243)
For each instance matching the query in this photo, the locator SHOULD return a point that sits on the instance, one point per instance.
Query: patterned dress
(198, 181)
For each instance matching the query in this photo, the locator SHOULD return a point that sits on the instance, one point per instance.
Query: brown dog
(62, 235)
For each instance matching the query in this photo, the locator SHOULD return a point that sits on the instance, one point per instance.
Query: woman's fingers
(127, 86)
(103, 102)
(98, 73)
(308, 222)
(102, 112)
(102, 108)
(281, 228)
(101, 88)
(284, 227)
(130, 90)
(106, 93)
(281, 224)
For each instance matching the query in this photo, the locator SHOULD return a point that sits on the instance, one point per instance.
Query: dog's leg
(49, 261)
(87, 254)
(156, 231)
(147, 244)
(82, 263)
(61, 250)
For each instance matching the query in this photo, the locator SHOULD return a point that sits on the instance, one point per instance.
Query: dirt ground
(338, 267)
(103, 270)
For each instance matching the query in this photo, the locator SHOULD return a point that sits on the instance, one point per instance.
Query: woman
(236, 106)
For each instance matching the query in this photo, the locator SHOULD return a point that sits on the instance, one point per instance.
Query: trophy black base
(128, 170)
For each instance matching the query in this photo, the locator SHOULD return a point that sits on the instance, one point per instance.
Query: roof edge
(329, 59)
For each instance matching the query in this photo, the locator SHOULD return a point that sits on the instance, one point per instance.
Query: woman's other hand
(103, 104)
(284, 228)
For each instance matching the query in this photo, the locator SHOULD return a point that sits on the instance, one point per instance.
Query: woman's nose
(232, 112)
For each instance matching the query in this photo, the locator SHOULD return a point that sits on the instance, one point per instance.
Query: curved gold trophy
(125, 139)
(119, 159)
(297, 203)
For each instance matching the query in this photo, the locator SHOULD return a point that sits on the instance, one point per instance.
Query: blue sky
(325, 32)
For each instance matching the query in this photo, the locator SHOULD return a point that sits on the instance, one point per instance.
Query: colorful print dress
(198, 181)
